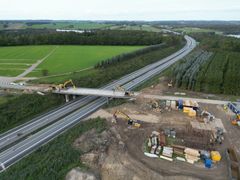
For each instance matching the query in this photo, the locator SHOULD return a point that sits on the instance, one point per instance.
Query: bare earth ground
(118, 152)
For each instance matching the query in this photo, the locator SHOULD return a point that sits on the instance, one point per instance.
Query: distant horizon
(124, 10)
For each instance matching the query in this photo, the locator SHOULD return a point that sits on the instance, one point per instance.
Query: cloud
(121, 10)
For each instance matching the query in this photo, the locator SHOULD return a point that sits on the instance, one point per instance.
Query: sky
(149, 10)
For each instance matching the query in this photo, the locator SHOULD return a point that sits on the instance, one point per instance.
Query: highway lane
(28, 145)
(23, 148)
(22, 131)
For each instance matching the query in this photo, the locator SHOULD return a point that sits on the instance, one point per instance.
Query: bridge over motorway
(111, 93)
(130, 94)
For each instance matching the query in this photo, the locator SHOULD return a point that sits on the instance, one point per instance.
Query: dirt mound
(92, 141)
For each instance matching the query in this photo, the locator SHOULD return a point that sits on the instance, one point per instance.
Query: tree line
(127, 56)
(96, 37)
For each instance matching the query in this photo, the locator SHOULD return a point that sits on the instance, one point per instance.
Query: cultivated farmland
(68, 25)
(196, 30)
(51, 25)
(75, 58)
(14, 60)
(136, 28)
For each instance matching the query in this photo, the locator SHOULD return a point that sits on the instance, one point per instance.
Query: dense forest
(213, 42)
(213, 68)
(97, 37)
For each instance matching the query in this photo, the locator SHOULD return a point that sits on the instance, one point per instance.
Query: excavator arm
(126, 117)
(69, 82)
(63, 86)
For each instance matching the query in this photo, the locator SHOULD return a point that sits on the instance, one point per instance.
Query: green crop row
(185, 74)
(209, 72)
(231, 76)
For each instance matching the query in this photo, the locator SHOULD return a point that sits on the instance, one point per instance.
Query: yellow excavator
(126, 117)
(64, 85)
(236, 120)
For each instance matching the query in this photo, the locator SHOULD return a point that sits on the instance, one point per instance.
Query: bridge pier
(107, 100)
(67, 98)
(2, 166)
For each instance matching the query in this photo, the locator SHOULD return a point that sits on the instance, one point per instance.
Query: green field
(196, 30)
(136, 28)
(74, 58)
(69, 25)
(54, 25)
(23, 54)
(14, 60)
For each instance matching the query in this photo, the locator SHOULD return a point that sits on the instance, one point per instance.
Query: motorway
(87, 104)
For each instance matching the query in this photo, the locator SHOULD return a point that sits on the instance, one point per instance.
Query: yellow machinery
(64, 85)
(236, 120)
(120, 88)
(170, 84)
(126, 117)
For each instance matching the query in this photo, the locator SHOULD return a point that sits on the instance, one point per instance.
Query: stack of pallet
(192, 155)
(167, 151)
(162, 139)
(178, 150)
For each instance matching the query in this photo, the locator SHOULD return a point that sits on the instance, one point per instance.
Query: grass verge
(20, 109)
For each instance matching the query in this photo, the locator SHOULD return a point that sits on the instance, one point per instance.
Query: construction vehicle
(157, 106)
(236, 120)
(154, 104)
(120, 88)
(64, 85)
(207, 115)
(126, 117)
(170, 84)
